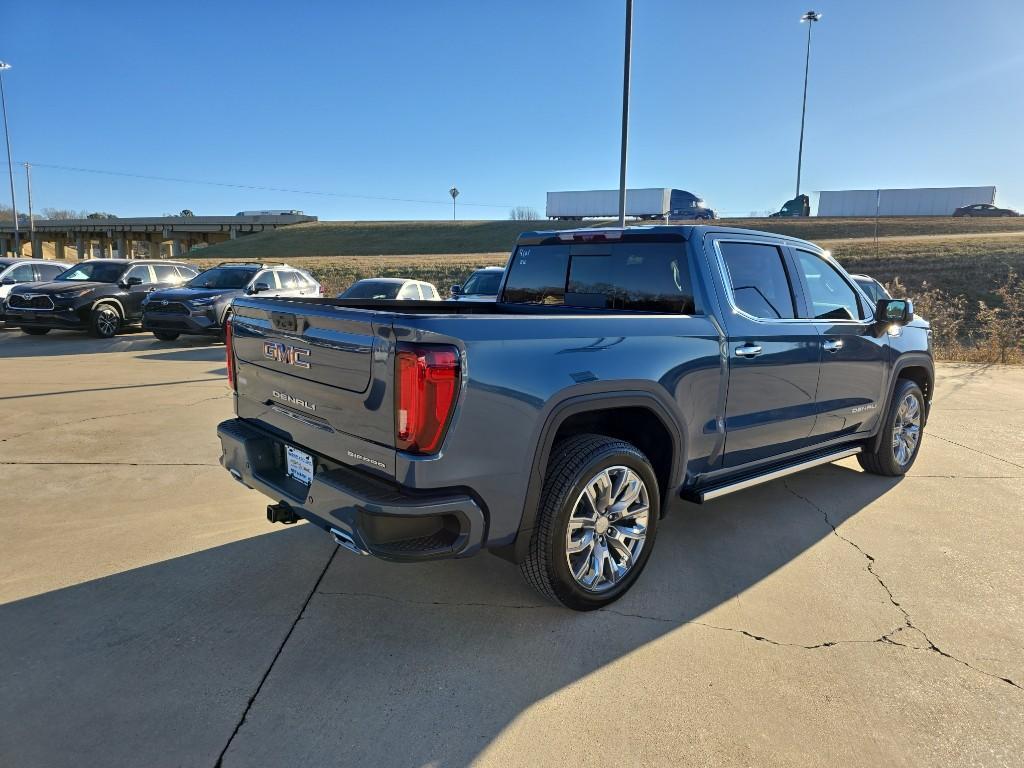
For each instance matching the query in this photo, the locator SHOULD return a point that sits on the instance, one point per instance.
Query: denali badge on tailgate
(285, 353)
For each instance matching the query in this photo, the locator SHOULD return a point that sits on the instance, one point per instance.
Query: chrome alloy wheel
(607, 528)
(107, 321)
(906, 429)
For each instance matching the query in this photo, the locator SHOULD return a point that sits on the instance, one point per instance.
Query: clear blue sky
(506, 100)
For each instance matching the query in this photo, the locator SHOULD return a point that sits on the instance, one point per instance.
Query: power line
(258, 187)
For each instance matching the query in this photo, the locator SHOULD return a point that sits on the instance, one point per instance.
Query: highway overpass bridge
(163, 235)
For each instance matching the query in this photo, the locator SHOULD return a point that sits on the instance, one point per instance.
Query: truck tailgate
(319, 376)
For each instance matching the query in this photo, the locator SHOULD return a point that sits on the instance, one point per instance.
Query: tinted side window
(165, 273)
(831, 297)
(757, 276)
(639, 277)
(21, 274)
(270, 278)
(48, 271)
(140, 271)
(537, 274)
(186, 273)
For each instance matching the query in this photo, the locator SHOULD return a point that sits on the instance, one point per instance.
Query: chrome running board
(701, 496)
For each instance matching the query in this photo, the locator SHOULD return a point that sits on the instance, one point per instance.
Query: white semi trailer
(922, 201)
(651, 203)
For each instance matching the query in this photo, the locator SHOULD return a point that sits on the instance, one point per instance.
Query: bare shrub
(524, 213)
(1001, 328)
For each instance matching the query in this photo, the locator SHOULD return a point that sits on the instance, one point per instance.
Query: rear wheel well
(637, 425)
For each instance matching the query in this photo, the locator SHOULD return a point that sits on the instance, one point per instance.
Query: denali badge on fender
(285, 353)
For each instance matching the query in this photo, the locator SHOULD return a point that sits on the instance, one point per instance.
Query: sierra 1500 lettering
(620, 372)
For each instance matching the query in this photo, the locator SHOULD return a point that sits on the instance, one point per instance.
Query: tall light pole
(4, 66)
(625, 113)
(454, 192)
(31, 218)
(809, 18)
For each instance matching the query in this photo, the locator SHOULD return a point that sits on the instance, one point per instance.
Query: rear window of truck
(636, 277)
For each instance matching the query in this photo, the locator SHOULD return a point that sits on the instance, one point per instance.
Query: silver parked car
(399, 288)
(482, 285)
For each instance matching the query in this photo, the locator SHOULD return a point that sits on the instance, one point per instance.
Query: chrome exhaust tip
(346, 541)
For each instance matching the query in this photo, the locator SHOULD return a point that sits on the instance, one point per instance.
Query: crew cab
(101, 296)
(199, 306)
(619, 372)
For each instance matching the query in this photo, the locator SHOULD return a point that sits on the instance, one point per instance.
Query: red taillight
(427, 386)
(229, 354)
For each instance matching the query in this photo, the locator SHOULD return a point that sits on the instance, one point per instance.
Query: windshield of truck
(222, 277)
(372, 289)
(94, 271)
(637, 277)
(483, 284)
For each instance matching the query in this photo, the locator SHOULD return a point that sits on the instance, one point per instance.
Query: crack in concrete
(908, 624)
(963, 477)
(147, 411)
(273, 661)
(969, 448)
(886, 639)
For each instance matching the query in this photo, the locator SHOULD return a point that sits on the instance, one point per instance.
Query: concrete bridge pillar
(106, 248)
(37, 247)
(155, 241)
(122, 247)
(80, 247)
(5, 246)
(58, 247)
(176, 249)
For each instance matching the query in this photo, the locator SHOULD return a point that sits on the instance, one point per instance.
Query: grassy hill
(393, 238)
(968, 257)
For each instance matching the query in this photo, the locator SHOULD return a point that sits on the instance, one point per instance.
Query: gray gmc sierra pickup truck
(619, 371)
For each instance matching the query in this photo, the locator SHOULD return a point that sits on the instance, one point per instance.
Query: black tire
(166, 335)
(885, 460)
(574, 463)
(36, 331)
(105, 321)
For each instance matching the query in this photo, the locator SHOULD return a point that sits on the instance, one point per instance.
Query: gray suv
(199, 306)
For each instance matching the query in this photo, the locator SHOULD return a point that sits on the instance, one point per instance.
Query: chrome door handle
(833, 346)
(748, 350)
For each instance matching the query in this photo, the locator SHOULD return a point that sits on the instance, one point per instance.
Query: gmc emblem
(285, 353)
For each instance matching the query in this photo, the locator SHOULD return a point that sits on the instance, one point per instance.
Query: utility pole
(31, 219)
(4, 66)
(625, 113)
(810, 17)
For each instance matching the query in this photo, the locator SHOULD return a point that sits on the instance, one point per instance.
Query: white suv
(16, 271)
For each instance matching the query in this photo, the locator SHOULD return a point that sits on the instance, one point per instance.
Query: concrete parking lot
(150, 616)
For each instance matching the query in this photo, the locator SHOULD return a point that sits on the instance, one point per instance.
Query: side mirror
(9, 281)
(456, 290)
(894, 311)
(132, 282)
(259, 288)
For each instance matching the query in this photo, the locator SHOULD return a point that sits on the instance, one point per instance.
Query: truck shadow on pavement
(281, 650)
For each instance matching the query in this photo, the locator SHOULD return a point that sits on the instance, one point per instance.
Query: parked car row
(172, 298)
